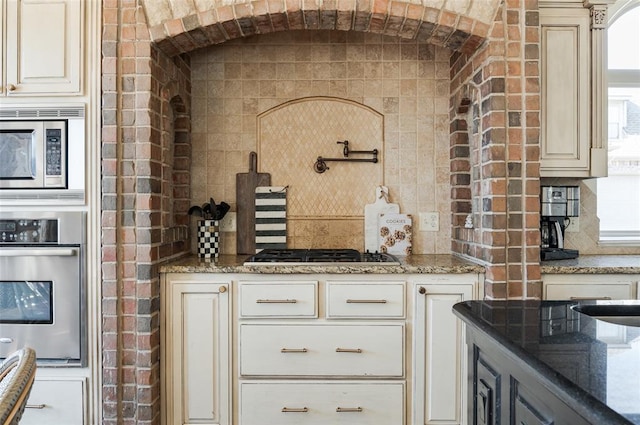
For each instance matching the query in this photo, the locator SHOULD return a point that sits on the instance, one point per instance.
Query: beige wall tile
(404, 81)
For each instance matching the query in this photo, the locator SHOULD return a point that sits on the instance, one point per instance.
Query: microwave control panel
(54, 152)
(28, 231)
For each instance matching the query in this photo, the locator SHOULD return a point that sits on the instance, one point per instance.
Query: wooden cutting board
(246, 184)
(371, 214)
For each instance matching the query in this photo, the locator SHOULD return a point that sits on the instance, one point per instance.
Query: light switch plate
(429, 221)
(574, 225)
(228, 222)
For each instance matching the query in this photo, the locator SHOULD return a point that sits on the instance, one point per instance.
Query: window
(619, 193)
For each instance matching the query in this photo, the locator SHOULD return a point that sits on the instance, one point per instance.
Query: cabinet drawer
(322, 350)
(365, 299)
(259, 299)
(321, 403)
(55, 401)
(613, 291)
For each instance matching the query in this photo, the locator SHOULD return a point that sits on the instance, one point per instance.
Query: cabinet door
(54, 401)
(44, 46)
(197, 346)
(440, 357)
(565, 141)
(488, 392)
(526, 408)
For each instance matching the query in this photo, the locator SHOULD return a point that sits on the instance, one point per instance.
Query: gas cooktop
(318, 257)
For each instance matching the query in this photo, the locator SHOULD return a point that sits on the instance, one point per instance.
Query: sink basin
(620, 314)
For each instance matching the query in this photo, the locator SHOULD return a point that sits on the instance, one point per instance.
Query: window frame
(621, 78)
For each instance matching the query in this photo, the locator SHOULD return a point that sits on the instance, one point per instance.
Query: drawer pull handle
(352, 301)
(348, 409)
(262, 301)
(35, 406)
(348, 350)
(588, 298)
(295, 410)
(293, 350)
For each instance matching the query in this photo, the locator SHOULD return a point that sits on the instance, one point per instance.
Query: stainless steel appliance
(42, 152)
(42, 285)
(319, 257)
(558, 204)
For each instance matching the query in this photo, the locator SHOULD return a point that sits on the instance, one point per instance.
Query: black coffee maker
(558, 203)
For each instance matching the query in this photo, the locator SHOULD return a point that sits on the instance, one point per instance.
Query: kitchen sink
(621, 314)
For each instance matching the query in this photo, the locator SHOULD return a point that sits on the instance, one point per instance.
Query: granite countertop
(421, 264)
(594, 264)
(602, 381)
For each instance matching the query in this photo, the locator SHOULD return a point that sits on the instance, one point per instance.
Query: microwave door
(21, 155)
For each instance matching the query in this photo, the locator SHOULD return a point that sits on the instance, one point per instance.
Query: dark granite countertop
(602, 379)
(421, 264)
(594, 264)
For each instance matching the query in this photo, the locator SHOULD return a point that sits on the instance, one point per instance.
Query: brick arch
(463, 27)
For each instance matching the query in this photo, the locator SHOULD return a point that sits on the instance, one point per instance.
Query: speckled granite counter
(594, 264)
(422, 264)
(592, 366)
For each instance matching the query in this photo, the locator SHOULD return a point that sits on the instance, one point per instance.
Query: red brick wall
(145, 182)
(495, 126)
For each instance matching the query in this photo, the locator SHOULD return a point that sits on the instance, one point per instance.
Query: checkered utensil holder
(208, 238)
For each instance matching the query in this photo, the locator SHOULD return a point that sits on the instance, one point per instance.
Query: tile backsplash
(291, 96)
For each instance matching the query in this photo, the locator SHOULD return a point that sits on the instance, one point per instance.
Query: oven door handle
(39, 252)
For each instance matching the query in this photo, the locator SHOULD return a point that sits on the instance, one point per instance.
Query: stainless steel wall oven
(43, 285)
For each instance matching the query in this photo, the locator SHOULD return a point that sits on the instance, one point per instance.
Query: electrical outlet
(573, 226)
(228, 222)
(429, 221)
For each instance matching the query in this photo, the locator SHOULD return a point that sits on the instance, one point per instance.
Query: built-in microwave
(42, 152)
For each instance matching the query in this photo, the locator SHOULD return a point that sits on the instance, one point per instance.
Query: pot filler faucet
(321, 163)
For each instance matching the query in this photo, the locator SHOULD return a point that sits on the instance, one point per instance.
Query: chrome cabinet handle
(352, 301)
(348, 350)
(35, 406)
(293, 350)
(268, 301)
(294, 410)
(348, 409)
(588, 298)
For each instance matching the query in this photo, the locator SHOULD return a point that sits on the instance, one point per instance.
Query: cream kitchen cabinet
(358, 349)
(56, 400)
(590, 286)
(44, 47)
(335, 354)
(573, 92)
(195, 349)
(439, 348)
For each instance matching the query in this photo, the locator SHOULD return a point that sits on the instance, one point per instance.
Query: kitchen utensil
(246, 184)
(371, 214)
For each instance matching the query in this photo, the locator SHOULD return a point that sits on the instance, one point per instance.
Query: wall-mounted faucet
(321, 166)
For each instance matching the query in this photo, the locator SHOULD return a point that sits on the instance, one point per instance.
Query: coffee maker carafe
(558, 203)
